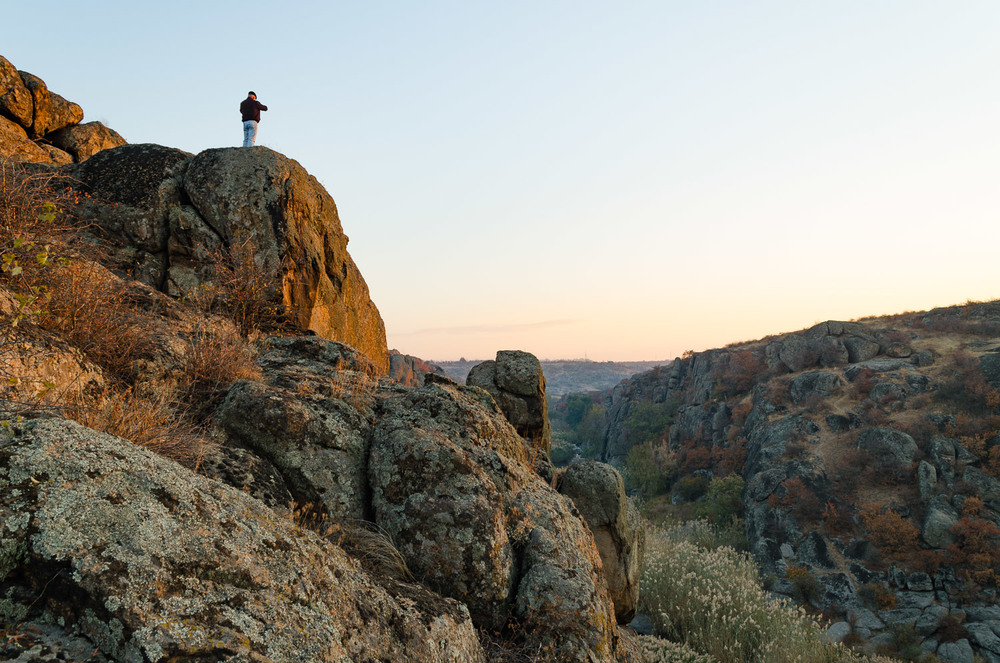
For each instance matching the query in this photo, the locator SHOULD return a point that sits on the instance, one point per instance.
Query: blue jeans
(249, 133)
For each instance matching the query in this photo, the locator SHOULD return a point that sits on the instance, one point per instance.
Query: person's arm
(261, 106)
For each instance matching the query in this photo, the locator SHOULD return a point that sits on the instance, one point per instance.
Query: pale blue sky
(620, 180)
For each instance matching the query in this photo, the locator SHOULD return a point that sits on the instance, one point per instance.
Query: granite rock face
(452, 486)
(517, 384)
(83, 141)
(152, 562)
(177, 211)
(598, 491)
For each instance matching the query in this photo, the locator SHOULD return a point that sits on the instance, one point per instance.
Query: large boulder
(598, 491)
(131, 189)
(152, 562)
(177, 212)
(517, 384)
(814, 384)
(83, 141)
(452, 486)
(15, 145)
(939, 517)
(15, 99)
(891, 446)
(261, 195)
(51, 111)
(311, 419)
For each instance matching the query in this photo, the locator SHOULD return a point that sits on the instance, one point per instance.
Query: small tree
(642, 471)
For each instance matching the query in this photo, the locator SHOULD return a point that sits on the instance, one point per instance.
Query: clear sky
(616, 180)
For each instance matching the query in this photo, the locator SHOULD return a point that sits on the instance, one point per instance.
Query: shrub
(694, 458)
(642, 473)
(649, 421)
(877, 596)
(891, 533)
(835, 521)
(807, 586)
(730, 459)
(950, 629)
(967, 387)
(213, 361)
(798, 500)
(744, 369)
(975, 551)
(723, 500)
(905, 643)
(714, 603)
(93, 310)
(242, 289)
(691, 487)
(149, 420)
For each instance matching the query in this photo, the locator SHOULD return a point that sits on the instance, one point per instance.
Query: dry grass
(353, 385)
(365, 541)
(91, 309)
(242, 290)
(213, 361)
(148, 420)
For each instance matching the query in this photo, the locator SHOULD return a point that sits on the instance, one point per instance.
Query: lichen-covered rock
(83, 141)
(451, 485)
(311, 419)
(517, 384)
(38, 362)
(890, 445)
(598, 491)
(151, 562)
(132, 188)
(814, 384)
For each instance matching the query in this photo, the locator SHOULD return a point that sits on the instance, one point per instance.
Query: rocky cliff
(177, 485)
(868, 454)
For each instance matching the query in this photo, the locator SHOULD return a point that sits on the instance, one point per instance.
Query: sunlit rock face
(178, 211)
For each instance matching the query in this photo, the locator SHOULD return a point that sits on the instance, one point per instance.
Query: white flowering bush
(658, 650)
(712, 600)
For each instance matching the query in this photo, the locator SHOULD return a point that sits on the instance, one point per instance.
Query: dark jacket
(250, 109)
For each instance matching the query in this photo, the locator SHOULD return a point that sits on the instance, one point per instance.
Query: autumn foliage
(894, 536)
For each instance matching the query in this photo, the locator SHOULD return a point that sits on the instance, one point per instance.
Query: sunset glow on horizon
(618, 181)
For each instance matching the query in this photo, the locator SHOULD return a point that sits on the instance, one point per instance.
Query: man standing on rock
(250, 109)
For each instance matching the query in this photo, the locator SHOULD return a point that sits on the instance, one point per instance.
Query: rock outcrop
(517, 384)
(805, 417)
(410, 370)
(180, 213)
(149, 561)
(40, 126)
(598, 491)
(317, 492)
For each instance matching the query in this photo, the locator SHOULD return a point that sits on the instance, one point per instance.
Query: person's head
(252, 94)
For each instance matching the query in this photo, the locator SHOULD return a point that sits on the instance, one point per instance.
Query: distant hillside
(860, 459)
(567, 376)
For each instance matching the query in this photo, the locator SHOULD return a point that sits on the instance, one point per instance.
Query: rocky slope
(869, 455)
(302, 506)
